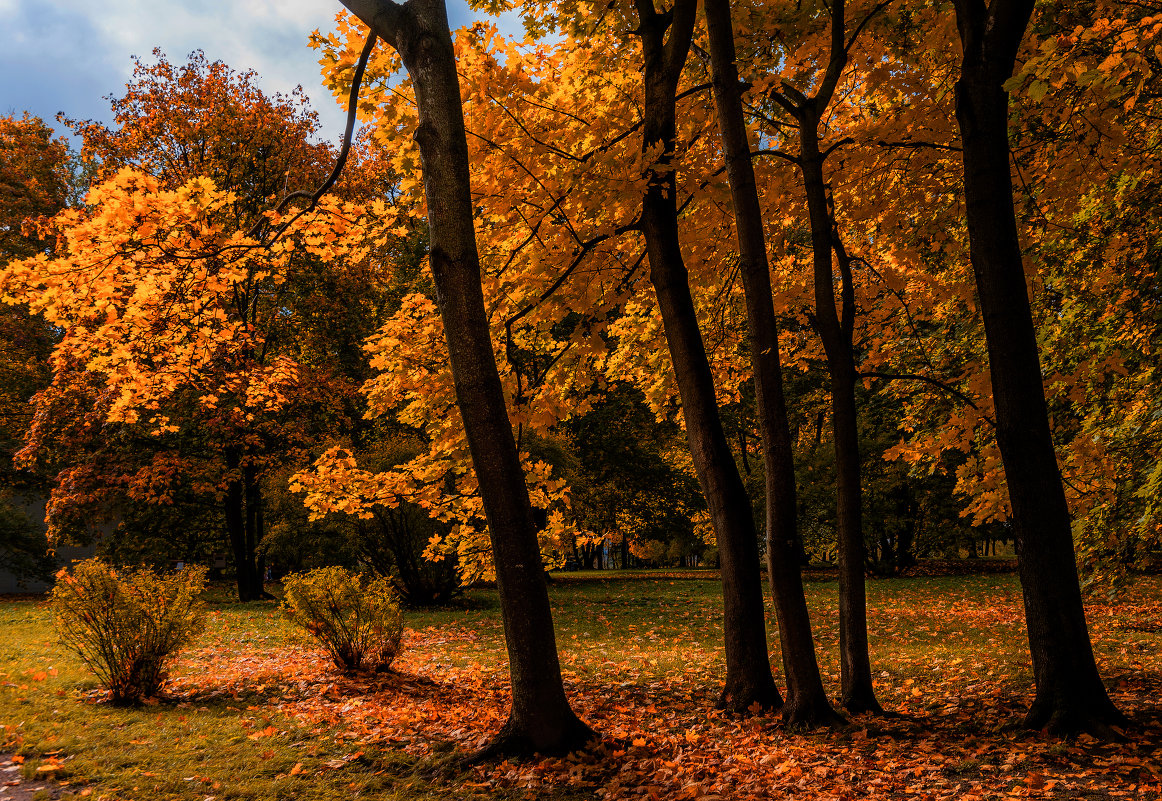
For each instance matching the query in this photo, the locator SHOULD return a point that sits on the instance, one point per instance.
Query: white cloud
(66, 55)
(268, 37)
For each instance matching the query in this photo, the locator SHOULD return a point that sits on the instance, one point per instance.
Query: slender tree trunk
(541, 719)
(252, 490)
(235, 511)
(806, 703)
(1070, 695)
(749, 683)
(742, 445)
(836, 332)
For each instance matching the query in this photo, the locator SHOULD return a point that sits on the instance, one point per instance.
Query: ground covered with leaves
(254, 714)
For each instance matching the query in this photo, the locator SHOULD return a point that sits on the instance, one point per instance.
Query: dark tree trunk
(742, 446)
(1070, 695)
(238, 528)
(836, 334)
(252, 490)
(888, 557)
(904, 557)
(907, 510)
(588, 555)
(749, 683)
(806, 704)
(541, 719)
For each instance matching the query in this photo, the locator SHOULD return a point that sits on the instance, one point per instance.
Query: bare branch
(313, 198)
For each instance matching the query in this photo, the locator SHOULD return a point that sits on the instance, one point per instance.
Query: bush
(359, 625)
(128, 625)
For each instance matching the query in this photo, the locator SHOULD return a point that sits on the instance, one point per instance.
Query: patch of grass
(239, 744)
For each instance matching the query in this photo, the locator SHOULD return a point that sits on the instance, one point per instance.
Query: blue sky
(67, 55)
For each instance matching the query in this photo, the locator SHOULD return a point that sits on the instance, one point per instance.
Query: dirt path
(14, 787)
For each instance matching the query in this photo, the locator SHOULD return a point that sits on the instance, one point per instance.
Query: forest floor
(253, 713)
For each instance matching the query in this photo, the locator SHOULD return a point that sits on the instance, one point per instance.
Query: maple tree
(177, 331)
(34, 182)
(1080, 197)
(748, 683)
(1070, 694)
(806, 702)
(37, 179)
(541, 719)
(836, 329)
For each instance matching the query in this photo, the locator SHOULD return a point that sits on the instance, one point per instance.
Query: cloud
(66, 55)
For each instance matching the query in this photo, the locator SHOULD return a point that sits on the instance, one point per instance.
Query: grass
(259, 717)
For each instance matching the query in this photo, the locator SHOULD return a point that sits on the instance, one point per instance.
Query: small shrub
(128, 625)
(359, 624)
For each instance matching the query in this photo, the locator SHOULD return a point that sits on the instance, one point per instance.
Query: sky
(68, 55)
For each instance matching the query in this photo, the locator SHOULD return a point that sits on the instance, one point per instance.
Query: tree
(665, 45)
(541, 719)
(180, 125)
(37, 180)
(836, 330)
(1070, 695)
(806, 703)
(632, 484)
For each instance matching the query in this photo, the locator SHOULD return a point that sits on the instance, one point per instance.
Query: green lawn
(256, 716)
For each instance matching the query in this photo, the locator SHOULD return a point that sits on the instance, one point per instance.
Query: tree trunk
(541, 719)
(806, 704)
(904, 557)
(836, 333)
(234, 508)
(749, 684)
(252, 490)
(1070, 695)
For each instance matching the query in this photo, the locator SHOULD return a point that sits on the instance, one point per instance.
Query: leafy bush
(360, 625)
(128, 625)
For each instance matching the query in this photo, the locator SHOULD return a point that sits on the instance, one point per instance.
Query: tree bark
(806, 704)
(749, 684)
(235, 509)
(541, 719)
(1070, 694)
(835, 332)
(252, 491)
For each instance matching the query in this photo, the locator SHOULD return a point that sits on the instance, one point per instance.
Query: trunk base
(747, 700)
(860, 702)
(515, 740)
(1070, 717)
(811, 713)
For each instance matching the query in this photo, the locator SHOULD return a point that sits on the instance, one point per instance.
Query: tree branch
(859, 28)
(313, 198)
(933, 145)
(778, 153)
(935, 382)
